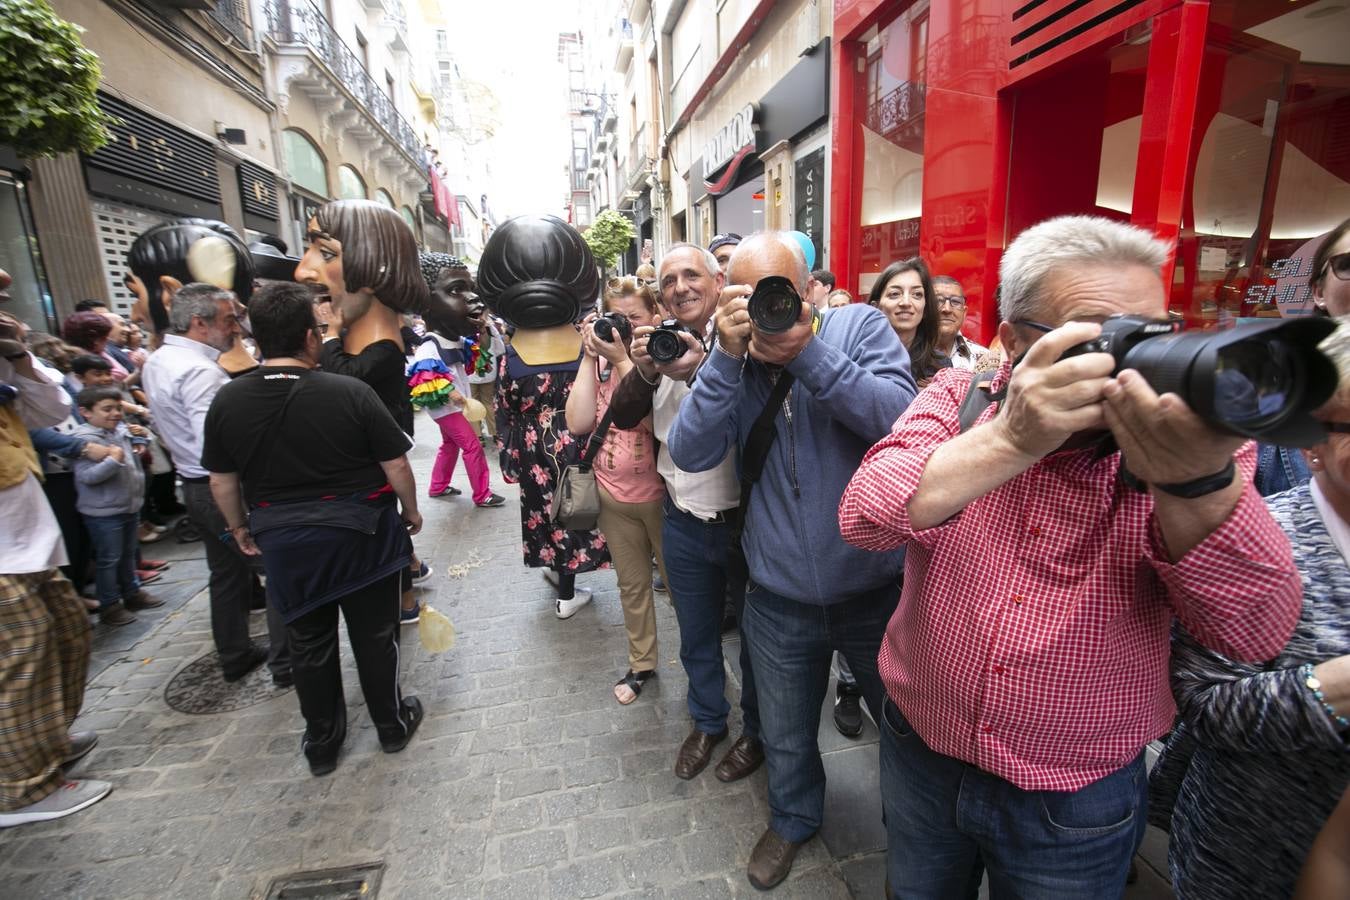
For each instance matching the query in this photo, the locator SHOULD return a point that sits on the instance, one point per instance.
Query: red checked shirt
(1031, 639)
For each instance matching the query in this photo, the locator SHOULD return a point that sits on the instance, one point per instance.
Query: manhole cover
(201, 689)
(347, 883)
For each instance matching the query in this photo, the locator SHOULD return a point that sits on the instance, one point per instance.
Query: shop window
(892, 131)
(350, 184)
(384, 197)
(1270, 165)
(28, 296)
(408, 217)
(304, 163)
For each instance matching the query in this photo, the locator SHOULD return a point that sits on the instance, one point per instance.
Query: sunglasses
(1339, 265)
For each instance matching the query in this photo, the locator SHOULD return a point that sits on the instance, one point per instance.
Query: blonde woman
(631, 491)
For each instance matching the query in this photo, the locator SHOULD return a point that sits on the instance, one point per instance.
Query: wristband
(1312, 683)
(1199, 487)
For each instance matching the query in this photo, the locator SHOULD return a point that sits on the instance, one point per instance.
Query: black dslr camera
(1260, 379)
(664, 345)
(775, 305)
(607, 326)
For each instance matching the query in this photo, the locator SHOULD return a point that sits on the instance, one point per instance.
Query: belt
(721, 517)
(203, 479)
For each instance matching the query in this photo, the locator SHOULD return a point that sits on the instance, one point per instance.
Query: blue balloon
(808, 248)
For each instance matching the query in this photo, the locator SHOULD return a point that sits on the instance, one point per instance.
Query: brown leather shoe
(695, 753)
(771, 860)
(744, 757)
(142, 600)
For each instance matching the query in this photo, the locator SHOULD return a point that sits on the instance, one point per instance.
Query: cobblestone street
(525, 780)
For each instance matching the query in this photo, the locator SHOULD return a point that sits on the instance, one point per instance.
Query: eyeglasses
(1337, 427)
(1339, 265)
(953, 302)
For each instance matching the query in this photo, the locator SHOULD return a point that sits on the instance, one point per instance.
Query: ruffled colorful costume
(430, 380)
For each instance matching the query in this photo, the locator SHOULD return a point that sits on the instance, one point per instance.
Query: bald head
(769, 253)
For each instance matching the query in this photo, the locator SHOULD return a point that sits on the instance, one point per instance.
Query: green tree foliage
(609, 235)
(48, 83)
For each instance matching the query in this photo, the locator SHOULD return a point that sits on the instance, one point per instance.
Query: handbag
(576, 498)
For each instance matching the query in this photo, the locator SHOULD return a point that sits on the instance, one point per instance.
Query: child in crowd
(110, 493)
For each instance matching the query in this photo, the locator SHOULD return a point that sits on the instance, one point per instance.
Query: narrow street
(525, 780)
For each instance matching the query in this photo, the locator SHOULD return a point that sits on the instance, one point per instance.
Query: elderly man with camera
(1052, 540)
(700, 514)
(801, 394)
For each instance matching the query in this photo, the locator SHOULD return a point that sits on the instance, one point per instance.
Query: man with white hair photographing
(1052, 540)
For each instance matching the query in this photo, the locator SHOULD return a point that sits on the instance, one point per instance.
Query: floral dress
(535, 447)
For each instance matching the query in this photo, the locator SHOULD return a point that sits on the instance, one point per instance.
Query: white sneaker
(566, 609)
(70, 797)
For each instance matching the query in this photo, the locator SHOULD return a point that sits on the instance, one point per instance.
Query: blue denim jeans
(947, 821)
(695, 553)
(115, 541)
(791, 644)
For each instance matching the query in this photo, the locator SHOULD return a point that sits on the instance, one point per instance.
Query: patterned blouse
(1266, 763)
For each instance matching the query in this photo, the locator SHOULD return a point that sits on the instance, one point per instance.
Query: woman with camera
(904, 292)
(1273, 732)
(631, 491)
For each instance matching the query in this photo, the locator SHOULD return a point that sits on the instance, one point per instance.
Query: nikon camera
(664, 345)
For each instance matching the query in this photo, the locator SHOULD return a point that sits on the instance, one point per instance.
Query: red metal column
(846, 160)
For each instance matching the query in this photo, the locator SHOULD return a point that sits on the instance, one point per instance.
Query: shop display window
(1269, 171)
(350, 184)
(304, 163)
(28, 300)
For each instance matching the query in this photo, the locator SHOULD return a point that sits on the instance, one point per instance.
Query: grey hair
(1066, 241)
(801, 274)
(195, 299)
(947, 279)
(709, 261)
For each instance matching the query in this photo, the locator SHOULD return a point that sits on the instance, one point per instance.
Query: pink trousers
(457, 434)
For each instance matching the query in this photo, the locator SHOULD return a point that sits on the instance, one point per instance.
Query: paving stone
(586, 878)
(518, 816)
(597, 833)
(665, 822)
(571, 805)
(713, 850)
(535, 848)
(528, 782)
(650, 866)
(529, 883)
(586, 772)
(706, 889)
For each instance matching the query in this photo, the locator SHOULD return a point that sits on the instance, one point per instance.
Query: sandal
(634, 682)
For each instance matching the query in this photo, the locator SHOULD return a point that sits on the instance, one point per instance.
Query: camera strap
(594, 442)
(978, 398)
(761, 438)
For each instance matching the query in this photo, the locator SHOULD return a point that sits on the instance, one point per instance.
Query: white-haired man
(1051, 544)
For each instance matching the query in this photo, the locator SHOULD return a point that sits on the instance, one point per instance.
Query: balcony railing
(395, 23)
(898, 113)
(232, 15)
(292, 22)
(639, 164)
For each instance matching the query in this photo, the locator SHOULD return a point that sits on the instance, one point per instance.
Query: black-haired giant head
(172, 254)
(537, 272)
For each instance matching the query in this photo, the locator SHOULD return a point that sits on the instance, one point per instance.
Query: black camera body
(607, 326)
(664, 345)
(775, 306)
(1259, 379)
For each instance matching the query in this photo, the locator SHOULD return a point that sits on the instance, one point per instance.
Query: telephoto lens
(607, 326)
(1261, 380)
(775, 306)
(664, 345)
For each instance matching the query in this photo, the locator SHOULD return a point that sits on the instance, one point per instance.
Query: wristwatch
(1199, 487)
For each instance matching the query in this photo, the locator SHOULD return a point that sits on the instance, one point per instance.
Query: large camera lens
(1259, 379)
(607, 327)
(775, 305)
(665, 345)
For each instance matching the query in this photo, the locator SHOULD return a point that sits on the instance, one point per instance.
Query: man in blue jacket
(810, 593)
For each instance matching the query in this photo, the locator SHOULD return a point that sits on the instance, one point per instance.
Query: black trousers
(232, 581)
(372, 616)
(60, 490)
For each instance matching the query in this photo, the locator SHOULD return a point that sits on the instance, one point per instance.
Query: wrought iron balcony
(898, 115)
(395, 25)
(298, 22)
(639, 164)
(232, 15)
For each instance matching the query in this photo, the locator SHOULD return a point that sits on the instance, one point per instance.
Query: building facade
(1221, 125)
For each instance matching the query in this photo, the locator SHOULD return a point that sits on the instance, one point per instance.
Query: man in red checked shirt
(1050, 546)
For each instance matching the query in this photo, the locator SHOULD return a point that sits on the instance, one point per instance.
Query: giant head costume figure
(538, 274)
(172, 254)
(361, 257)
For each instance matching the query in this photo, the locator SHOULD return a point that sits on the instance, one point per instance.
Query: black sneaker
(491, 501)
(848, 710)
(411, 714)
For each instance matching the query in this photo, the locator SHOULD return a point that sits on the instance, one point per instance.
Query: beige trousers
(486, 394)
(633, 532)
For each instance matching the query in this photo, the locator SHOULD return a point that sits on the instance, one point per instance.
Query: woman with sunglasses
(1258, 759)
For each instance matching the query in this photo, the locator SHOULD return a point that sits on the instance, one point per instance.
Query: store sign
(730, 147)
(809, 186)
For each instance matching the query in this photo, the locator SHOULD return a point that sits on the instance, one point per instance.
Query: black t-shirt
(383, 366)
(330, 440)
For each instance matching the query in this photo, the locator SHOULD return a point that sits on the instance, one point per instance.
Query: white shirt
(181, 379)
(701, 494)
(966, 353)
(1336, 526)
(29, 533)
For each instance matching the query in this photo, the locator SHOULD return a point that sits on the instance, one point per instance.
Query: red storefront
(1221, 124)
